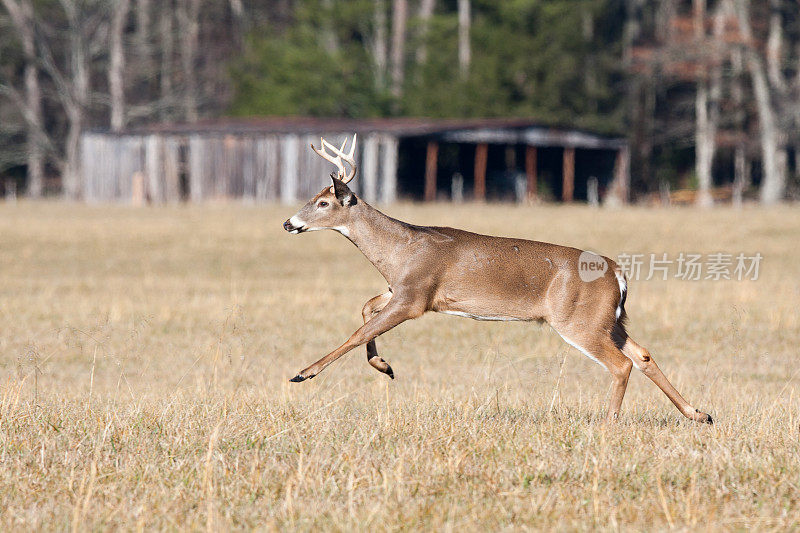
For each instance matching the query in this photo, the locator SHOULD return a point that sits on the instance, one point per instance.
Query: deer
(457, 272)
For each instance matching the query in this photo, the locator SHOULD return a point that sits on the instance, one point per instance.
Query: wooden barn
(270, 160)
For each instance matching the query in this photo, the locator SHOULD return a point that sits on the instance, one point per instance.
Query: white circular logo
(591, 266)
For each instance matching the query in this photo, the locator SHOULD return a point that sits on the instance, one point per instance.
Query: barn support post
(89, 145)
(370, 174)
(132, 161)
(389, 169)
(289, 161)
(221, 175)
(568, 173)
(481, 158)
(619, 190)
(109, 163)
(153, 168)
(124, 159)
(196, 147)
(248, 162)
(261, 168)
(269, 159)
(312, 170)
(138, 189)
(531, 173)
(233, 185)
(171, 162)
(431, 162)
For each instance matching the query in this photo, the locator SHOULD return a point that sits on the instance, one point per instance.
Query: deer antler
(340, 157)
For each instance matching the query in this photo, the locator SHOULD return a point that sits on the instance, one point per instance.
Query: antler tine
(322, 152)
(349, 157)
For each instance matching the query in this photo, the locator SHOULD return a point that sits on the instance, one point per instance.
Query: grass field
(145, 357)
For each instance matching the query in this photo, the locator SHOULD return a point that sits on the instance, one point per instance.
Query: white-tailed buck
(581, 295)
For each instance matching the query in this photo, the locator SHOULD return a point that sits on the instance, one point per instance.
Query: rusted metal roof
(479, 130)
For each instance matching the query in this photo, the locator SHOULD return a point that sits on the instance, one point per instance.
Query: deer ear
(343, 192)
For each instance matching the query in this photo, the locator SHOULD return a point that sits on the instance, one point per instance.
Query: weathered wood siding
(202, 167)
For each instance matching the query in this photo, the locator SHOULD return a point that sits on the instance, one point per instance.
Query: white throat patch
(343, 230)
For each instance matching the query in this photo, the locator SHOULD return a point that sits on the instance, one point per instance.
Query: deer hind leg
(620, 369)
(602, 350)
(371, 308)
(642, 360)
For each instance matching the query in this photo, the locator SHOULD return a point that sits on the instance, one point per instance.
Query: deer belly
(497, 318)
(493, 307)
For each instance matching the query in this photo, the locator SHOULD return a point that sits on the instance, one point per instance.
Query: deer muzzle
(293, 226)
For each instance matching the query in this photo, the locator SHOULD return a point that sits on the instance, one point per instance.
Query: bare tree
(590, 63)
(464, 49)
(775, 47)
(237, 10)
(639, 97)
(379, 48)
(709, 89)
(741, 165)
(330, 41)
(142, 38)
(774, 158)
(72, 47)
(167, 42)
(21, 13)
(399, 19)
(188, 18)
(73, 91)
(117, 64)
(426, 8)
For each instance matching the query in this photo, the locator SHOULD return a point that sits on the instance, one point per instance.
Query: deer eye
(322, 204)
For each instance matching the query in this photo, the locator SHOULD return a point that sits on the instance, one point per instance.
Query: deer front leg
(371, 308)
(397, 311)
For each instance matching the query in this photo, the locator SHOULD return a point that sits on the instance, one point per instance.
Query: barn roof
(479, 130)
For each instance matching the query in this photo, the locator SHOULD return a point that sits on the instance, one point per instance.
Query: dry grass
(145, 354)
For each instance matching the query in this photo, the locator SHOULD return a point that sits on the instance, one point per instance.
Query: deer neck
(382, 239)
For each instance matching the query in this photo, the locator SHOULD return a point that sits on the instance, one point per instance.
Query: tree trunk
(329, 39)
(399, 17)
(35, 150)
(22, 17)
(379, 47)
(464, 50)
(144, 54)
(741, 181)
(704, 146)
(425, 14)
(240, 22)
(773, 157)
(75, 103)
(116, 67)
(189, 27)
(707, 103)
(775, 46)
(741, 165)
(665, 15)
(637, 98)
(590, 62)
(167, 53)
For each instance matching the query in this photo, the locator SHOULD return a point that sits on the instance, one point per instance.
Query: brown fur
(453, 271)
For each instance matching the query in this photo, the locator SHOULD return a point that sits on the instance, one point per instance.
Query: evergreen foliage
(557, 61)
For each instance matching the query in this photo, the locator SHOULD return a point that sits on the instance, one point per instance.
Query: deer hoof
(297, 379)
(703, 418)
(390, 372)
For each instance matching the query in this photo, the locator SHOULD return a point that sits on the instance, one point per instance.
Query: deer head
(330, 208)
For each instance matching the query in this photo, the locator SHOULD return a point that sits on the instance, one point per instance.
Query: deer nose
(288, 226)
